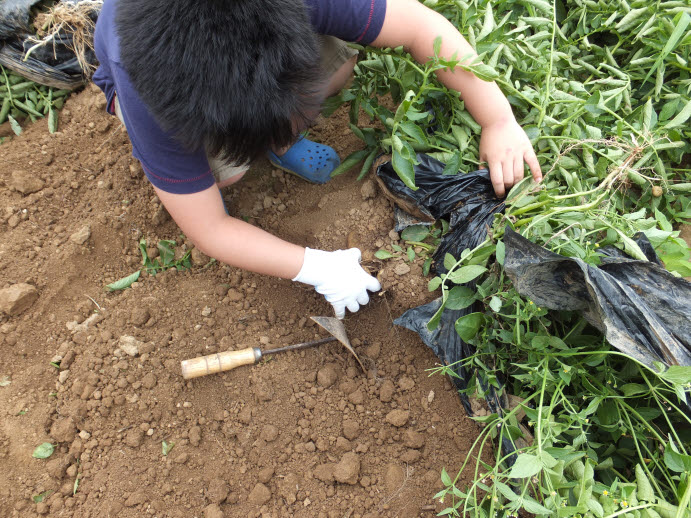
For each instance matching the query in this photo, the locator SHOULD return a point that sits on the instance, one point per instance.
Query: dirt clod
(269, 433)
(217, 491)
(134, 438)
(325, 472)
(63, 430)
(25, 182)
(327, 376)
(213, 511)
(347, 470)
(129, 345)
(413, 439)
(368, 190)
(82, 235)
(137, 498)
(351, 429)
(386, 391)
(265, 475)
(17, 298)
(195, 436)
(398, 417)
(259, 495)
(394, 476)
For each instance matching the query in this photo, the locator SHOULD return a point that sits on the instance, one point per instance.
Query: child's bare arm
(503, 145)
(202, 218)
(336, 275)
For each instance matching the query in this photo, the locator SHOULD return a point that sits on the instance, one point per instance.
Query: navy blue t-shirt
(166, 163)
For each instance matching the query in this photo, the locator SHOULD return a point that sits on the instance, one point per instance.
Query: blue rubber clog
(308, 160)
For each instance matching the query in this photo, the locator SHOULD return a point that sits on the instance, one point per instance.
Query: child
(205, 87)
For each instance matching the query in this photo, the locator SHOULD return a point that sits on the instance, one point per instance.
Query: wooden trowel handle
(219, 362)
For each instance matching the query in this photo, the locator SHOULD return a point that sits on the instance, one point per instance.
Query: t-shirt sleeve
(166, 163)
(357, 21)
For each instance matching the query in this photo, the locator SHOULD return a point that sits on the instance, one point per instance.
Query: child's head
(236, 76)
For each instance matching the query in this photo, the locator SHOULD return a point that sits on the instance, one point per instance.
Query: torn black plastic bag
(53, 64)
(466, 199)
(641, 308)
(451, 349)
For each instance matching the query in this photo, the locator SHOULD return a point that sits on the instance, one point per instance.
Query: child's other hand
(339, 277)
(505, 146)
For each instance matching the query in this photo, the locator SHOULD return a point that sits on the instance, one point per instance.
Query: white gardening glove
(339, 277)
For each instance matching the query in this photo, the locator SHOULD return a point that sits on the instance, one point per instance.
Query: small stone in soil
(129, 345)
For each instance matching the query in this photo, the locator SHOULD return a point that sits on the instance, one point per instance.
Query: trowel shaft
(227, 360)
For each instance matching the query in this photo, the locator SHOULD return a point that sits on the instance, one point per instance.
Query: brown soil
(302, 434)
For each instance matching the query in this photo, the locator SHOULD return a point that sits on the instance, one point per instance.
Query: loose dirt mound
(303, 434)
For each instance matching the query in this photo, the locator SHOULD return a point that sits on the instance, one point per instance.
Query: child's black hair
(235, 76)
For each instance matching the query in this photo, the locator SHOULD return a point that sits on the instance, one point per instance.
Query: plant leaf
(526, 465)
(460, 297)
(125, 282)
(468, 326)
(466, 273)
(43, 451)
(14, 125)
(415, 233)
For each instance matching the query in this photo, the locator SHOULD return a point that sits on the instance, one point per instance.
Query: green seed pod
(6, 105)
(680, 187)
(637, 178)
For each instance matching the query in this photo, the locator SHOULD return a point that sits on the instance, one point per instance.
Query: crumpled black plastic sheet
(468, 200)
(641, 308)
(54, 64)
(14, 16)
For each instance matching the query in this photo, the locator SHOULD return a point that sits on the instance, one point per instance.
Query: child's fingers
(507, 169)
(497, 177)
(518, 169)
(533, 164)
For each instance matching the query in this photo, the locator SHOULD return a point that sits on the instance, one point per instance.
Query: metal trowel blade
(336, 328)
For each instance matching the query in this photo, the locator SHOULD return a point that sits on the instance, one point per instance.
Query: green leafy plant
(37, 499)
(423, 237)
(602, 89)
(165, 260)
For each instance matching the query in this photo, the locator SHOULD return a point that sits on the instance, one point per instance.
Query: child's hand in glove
(339, 277)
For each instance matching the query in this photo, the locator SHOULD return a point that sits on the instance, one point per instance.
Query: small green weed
(165, 260)
(166, 447)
